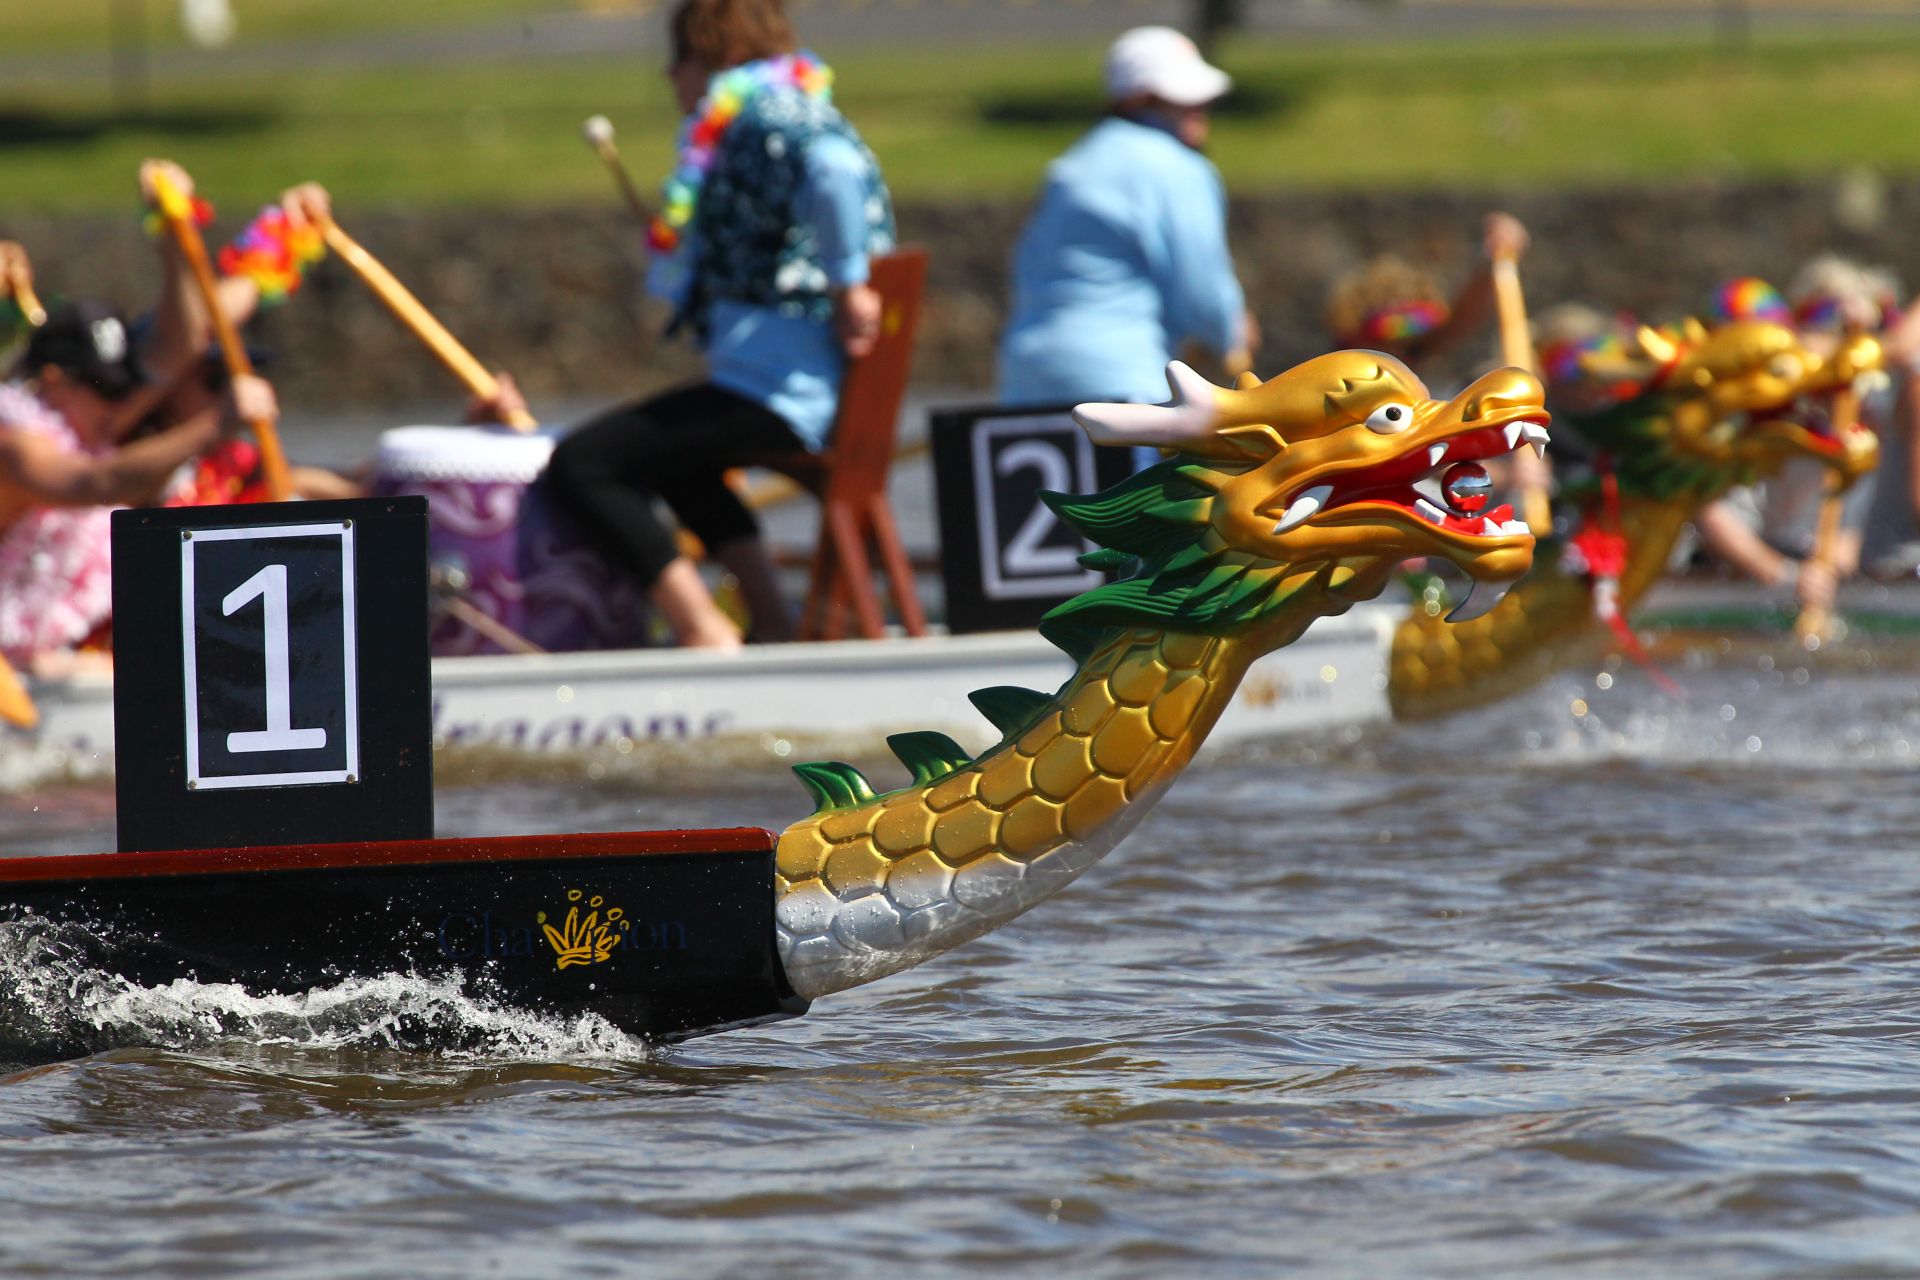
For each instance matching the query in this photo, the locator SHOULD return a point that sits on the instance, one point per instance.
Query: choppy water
(1518, 993)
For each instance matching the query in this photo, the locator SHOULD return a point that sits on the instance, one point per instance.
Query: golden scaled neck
(1191, 675)
(1652, 526)
(872, 888)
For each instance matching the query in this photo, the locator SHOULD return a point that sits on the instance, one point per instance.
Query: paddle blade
(16, 704)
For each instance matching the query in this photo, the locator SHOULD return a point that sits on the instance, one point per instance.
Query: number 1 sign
(238, 668)
(270, 674)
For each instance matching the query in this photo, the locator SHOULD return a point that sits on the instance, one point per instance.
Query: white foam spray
(55, 1002)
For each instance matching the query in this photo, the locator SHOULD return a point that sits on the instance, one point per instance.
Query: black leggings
(678, 446)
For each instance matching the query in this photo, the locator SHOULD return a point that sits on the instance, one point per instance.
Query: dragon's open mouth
(1441, 482)
(1814, 415)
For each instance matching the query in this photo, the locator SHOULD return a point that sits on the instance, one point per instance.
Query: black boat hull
(664, 934)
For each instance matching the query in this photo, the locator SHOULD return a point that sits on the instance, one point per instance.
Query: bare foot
(682, 596)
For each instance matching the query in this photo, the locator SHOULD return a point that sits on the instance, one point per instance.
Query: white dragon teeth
(1303, 507)
(1514, 430)
(1480, 600)
(1516, 528)
(1428, 512)
(1435, 452)
(1536, 436)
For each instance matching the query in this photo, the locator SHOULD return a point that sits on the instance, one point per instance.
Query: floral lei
(1402, 322)
(274, 254)
(727, 93)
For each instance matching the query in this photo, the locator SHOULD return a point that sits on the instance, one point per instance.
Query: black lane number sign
(1024, 549)
(1005, 557)
(271, 673)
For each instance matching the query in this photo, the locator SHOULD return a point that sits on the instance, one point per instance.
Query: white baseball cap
(1164, 63)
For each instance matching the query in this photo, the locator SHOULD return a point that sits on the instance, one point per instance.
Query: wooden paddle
(417, 318)
(16, 704)
(598, 131)
(1814, 623)
(1516, 349)
(177, 213)
(20, 285)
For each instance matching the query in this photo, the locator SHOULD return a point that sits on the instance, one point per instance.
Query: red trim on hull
(382, 853)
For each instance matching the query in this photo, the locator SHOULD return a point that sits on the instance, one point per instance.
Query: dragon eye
(1784, 367)
(1389, 418)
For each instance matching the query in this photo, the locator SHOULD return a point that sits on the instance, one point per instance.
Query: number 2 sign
(1004, 556)
(251, 598)
(271, 683)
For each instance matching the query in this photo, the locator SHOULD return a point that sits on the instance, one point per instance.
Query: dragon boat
(777, 698)
(1283, 502)
(599, 691)
(1718, 408)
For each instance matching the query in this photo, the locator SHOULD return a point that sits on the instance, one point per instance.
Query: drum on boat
(496, 537)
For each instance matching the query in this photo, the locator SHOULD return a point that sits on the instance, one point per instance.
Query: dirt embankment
(554, 295)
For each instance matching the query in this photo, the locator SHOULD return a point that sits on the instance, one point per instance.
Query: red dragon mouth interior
(1416, 482)
(1815, 416)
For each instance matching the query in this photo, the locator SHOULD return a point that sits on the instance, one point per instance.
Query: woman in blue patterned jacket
(762, 245)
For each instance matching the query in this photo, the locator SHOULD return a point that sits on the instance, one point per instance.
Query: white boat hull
(858, 691)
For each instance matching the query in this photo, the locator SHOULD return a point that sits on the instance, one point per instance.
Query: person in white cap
(1124, 264)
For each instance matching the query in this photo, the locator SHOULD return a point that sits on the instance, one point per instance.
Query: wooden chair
(849, 476)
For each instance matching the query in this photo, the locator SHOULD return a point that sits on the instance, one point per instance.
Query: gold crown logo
(585, 937)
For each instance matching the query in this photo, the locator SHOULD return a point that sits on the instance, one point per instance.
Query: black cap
(88, 341)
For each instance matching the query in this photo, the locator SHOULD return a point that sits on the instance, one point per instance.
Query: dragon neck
(1652, 526)
(1546, 621)
(869, 888)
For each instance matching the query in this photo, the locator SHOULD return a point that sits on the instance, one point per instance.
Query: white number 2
(1026, 554)
(270, 585)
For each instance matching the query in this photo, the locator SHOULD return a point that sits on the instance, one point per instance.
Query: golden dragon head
(1824, 422)
(1727, 404)
(1331, 473)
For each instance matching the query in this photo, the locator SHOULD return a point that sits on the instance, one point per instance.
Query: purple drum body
(494, 536)
(573, 598)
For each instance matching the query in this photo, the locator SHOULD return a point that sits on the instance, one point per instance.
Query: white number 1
(270, 584)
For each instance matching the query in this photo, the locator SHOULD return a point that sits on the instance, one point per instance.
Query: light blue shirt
(1124, 262)
(791, 365)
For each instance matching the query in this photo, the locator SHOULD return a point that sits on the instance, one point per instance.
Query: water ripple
(1520, 993)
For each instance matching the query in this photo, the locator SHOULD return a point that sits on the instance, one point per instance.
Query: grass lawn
(983, 121)
(51, 26)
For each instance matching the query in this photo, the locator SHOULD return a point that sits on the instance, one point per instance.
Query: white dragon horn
(1189, 416)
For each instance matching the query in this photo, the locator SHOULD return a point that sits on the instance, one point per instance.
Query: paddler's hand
(1504, 237)
(251, 399)
(505, 403)
(1816, 585)
(856, 318)
(181, 179)
(307, 205)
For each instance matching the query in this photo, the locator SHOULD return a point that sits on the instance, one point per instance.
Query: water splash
(1766, 717)
(57, 1001)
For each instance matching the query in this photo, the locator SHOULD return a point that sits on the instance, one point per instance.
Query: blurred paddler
(1124, 264)
(761, 245)
(1390, 304)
